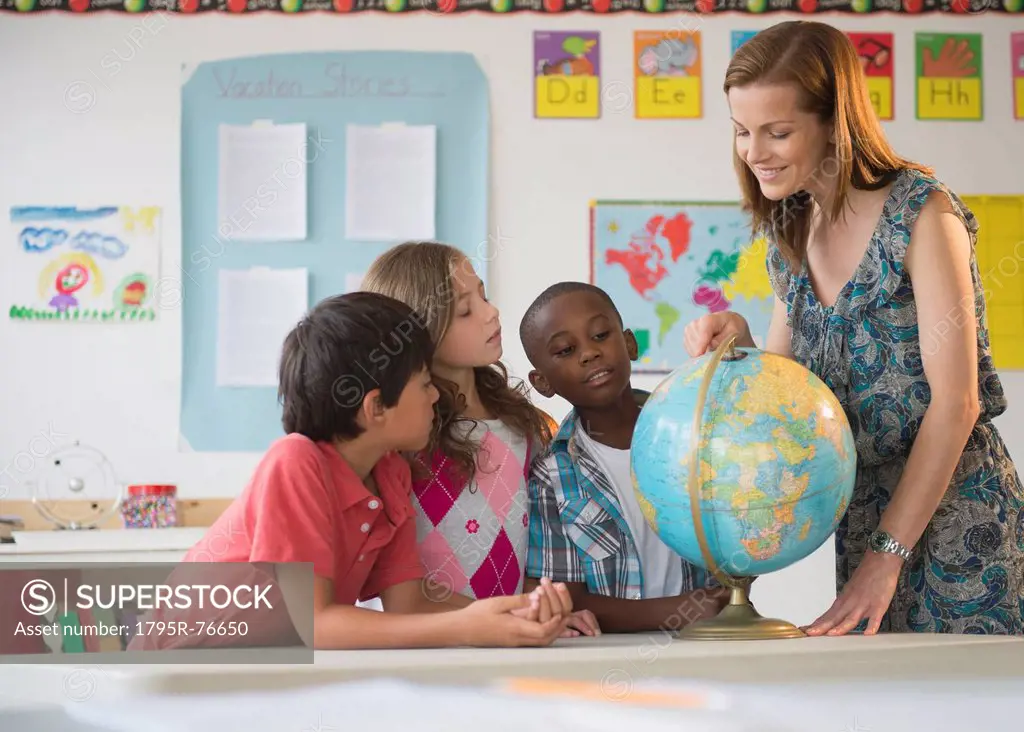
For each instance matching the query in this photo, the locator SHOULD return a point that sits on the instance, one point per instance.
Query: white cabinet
(101, 545)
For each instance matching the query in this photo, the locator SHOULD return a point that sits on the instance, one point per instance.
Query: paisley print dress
(966, 574)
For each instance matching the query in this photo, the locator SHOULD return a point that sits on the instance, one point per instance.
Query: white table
(617, 662)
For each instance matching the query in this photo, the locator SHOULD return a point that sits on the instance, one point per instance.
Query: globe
(743, 462)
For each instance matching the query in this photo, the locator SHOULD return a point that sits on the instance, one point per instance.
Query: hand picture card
(949, 76)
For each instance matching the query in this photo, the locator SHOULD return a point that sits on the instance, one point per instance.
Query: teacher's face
(783, 145)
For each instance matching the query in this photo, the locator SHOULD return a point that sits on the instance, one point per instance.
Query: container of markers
(150, 507)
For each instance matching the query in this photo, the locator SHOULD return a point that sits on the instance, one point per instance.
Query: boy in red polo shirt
(356, 391)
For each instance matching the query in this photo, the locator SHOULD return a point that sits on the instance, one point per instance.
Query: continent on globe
(775, 462)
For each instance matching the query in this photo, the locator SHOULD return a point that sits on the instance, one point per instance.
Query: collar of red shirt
(391, 473)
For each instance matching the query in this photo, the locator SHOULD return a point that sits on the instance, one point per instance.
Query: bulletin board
(327, 91)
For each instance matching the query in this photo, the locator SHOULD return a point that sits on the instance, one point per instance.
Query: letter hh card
(666, 67)
(568, 75)
(875, 53)
(949, 76)
(1017, 58)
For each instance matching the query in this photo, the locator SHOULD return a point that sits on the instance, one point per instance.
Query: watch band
(883, 543)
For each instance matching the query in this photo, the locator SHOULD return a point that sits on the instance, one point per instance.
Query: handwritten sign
(1017, 58)
(666, 68)
(739, 37)
(568, 74)
(875, 53)
(336, 81)
(949, 76)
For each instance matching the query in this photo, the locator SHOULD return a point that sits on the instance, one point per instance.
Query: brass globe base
(740, 621)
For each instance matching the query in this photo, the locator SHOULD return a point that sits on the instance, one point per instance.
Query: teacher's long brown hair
(822, 63)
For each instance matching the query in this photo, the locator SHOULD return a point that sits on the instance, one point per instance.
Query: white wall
(117, 388)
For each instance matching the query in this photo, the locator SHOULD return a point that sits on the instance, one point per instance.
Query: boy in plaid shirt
(586, 527)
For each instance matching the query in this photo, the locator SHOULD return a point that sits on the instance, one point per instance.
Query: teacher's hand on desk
(866, 595)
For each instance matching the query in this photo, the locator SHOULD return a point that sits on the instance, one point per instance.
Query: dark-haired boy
(335, 492)
(586, 527)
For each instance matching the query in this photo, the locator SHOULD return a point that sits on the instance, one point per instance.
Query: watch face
(878, 541)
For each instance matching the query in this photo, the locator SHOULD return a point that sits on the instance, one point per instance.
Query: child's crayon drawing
(98, 264)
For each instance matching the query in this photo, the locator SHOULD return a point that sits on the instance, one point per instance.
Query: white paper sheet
(353, 282)
(391, 182)
(262, 182)
(256, 309)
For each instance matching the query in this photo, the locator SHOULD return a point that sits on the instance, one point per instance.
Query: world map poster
(666, 263)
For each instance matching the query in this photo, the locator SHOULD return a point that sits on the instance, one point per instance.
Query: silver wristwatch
(883, 543)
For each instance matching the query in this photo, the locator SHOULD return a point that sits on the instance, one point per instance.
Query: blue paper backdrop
(326, 91)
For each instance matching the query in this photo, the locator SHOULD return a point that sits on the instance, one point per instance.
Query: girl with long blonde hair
(469, 484)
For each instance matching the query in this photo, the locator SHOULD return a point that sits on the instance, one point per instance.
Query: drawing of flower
(472, 526)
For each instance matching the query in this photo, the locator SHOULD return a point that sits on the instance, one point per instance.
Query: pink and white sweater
(473, 537)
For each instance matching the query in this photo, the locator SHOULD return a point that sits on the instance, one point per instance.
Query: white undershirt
(662, 568)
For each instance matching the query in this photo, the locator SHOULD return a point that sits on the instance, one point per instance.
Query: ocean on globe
(777, 462)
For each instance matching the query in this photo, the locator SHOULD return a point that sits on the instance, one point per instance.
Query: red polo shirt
(304, 503)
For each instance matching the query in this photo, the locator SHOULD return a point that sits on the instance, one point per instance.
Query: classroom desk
(617, 662)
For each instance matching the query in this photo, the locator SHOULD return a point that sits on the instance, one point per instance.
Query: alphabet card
(739, 37)
(949, 76)
(875, 53)
(84, 264)
(1017, 57)
(568, 75)
(666, 67)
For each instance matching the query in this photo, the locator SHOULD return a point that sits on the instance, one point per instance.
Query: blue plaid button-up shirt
(577, 529)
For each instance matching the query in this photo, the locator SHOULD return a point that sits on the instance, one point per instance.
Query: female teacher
(878, 293)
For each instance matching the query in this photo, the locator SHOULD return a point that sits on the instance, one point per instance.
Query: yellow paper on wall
(1000, 255)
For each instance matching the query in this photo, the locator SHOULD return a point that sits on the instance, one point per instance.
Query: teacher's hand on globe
(707, 333)
(866, 595)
